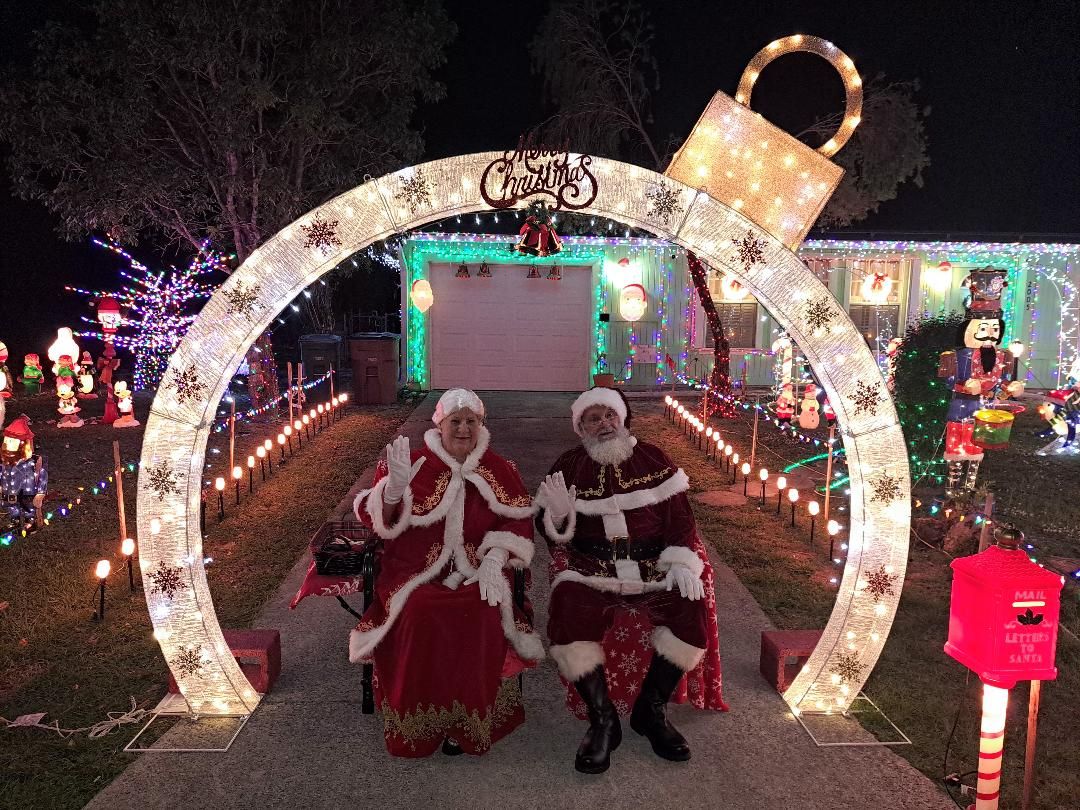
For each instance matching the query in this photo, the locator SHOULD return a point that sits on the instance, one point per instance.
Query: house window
(883, 274)
(873, 321)
(740, 325)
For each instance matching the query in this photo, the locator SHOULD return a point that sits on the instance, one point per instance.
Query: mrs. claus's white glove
(490, 576)
(690, 584)
(402, 470)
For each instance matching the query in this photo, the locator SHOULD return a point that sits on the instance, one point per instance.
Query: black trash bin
(317, 352)
(374, 358)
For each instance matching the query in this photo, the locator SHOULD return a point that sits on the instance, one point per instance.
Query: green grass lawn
(54, 659)
(919, 687)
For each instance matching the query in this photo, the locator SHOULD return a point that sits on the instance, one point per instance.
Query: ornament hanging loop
(834, 56)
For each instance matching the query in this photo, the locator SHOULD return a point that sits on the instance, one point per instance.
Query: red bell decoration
(1003, 618)
(538, 237)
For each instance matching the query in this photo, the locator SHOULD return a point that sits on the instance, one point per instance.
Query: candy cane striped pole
(991, 743)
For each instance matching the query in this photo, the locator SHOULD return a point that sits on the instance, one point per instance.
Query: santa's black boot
(649, 717)
(605, 730)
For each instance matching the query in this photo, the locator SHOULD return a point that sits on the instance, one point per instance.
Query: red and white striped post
(991, 744)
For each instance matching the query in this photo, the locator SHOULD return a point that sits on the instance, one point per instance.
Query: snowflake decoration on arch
(162, 480)
(749, 251)
(866, 398)
(848, 667)
(321, 234)
(880, 583)
(663, 202)
(166, 580)
(187, 384)
(415, 191)
(819, 314)
(242, 299)
(188, 661)
(886, 488)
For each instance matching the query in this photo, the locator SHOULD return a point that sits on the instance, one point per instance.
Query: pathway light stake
(260, 451)
(763, 474)
(268, 446)
(727, 454)
(734, 466)
(307, 425)
(237, 474)
(127, 548)
(298, 429)
(251, 474)
(281, 446)
(781, 485)
(219, 485)
(667, 405)
(745, 476)
(813, 507)
(102, 571)
(793, 496)
(833, 529)
(287, 430)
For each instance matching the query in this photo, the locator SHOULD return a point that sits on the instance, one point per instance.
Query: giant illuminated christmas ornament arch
(740, 193)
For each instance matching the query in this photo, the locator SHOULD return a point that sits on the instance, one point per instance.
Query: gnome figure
(23, 476)
(125, 406)
(808, 412)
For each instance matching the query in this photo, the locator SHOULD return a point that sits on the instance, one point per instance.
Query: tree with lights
(157, 307)
(194, 120)
(922, 399)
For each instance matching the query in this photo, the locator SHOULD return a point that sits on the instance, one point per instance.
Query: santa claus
(443, 631)
(622, 535)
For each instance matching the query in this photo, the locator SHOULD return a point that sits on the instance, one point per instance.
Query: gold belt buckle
(615, 541)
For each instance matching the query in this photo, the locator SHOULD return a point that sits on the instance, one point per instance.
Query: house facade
(500, 320)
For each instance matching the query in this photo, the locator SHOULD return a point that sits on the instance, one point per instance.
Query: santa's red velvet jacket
(643, 498)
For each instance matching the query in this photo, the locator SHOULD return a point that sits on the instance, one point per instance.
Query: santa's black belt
(620, 548)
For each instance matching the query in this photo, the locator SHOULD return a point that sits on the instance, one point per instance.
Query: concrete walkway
(309, 746)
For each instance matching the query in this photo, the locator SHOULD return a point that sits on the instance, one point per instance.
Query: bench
(258, 652)
(778, 648)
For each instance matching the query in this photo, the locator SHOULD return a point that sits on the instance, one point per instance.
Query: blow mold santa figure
(785, 405)
(23, 476)
(976, 376)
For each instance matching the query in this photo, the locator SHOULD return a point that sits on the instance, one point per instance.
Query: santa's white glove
(690, 584)
(490, 576)
(402, 470)
(556, 498)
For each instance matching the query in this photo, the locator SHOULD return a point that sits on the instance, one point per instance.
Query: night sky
(1002, 79)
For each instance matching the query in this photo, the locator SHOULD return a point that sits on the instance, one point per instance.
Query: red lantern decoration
(1003, 618)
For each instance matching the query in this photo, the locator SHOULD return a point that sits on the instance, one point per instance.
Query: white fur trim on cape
(374, 508)
(609, 584)
(596, 396)
(567, 534)
(625, 501)
(527, 645)
(467, 470)
(668, 645)
(577, 658)
(520, 548)
(681, 555)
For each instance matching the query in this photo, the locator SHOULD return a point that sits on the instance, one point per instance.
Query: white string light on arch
(704, 220)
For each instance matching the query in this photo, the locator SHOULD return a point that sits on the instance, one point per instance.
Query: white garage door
(509, 332)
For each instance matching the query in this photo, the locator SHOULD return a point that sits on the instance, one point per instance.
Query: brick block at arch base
(777, 646)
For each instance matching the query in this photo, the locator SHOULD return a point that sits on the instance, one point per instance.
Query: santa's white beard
(615, 450)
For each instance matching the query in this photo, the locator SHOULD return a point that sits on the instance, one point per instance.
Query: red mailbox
(1003, 620)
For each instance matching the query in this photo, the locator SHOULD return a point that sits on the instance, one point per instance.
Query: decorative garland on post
(720, 378)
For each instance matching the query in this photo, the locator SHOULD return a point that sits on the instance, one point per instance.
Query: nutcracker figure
(23, 476)
(976, 375)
